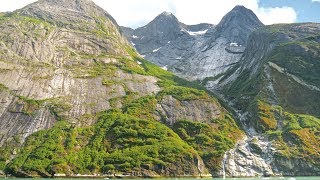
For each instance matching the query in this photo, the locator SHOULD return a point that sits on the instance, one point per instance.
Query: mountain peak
(237, 24)
(166, 13)
(240, 14)
(63, 11)
(165, 21)
(77, 5)
(239, 8)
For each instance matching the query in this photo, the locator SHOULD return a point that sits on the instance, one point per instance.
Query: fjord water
(253, 178)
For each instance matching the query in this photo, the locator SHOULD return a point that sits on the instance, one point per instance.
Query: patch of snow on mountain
(135, 37)
(155, 50)
(196, 33)
(234, 44)
(165, 67)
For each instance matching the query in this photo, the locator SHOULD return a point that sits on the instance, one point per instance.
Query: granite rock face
(251, 157)
(198, 51)
(173, 110)
(49, 53)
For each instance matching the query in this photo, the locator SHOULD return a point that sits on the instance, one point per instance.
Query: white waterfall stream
(243, 160)
(224, 165)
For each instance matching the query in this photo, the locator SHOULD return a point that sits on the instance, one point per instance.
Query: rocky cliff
(195, 53)
(275, 90)
(77, 99)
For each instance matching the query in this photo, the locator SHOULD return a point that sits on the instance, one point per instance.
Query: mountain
(164, 41)
(275, 89)
(76, 98)
(195, 53)
(237, 25)
(266, 75)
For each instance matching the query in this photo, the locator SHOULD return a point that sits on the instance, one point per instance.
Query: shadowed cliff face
(72, 87)
(198, 51)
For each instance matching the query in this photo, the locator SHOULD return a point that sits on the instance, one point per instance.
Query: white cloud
(135, 13)
(11, 5)
(315, 0)
(277, 15)
(139, 12)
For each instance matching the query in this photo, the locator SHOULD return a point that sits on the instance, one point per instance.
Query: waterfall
(224, 165)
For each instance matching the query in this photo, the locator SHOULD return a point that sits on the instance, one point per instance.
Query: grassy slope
(295, 135)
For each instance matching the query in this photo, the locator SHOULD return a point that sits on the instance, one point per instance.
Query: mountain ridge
(181, 52)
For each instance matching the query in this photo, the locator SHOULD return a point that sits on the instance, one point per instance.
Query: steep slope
(77, 99)
(196, 53)
(275, 87)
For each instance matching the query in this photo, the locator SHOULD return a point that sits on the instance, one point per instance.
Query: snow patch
(155, 50)
(234, 44)
(133, 44)
(169, 42)
(196, 33)
(139, 62)
(165, 67)
(178, 58)
(135, 37)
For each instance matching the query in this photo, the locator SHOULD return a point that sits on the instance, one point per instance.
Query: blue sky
(136, 13)
(307, 11)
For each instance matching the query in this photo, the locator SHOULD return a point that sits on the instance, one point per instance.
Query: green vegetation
(300, 59)
(266, 117)
(117, 143)
(142, 108)
(3, 88)
(184, 93)
(210, 140)
(298, 135)
(30, 106)
(27, 26)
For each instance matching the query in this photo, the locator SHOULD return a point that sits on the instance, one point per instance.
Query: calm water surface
(263, 178)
